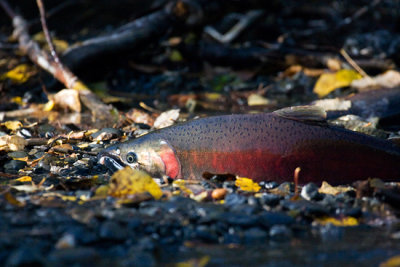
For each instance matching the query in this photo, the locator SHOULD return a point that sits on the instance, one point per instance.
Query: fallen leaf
(139, 116)
(247, 184)
(328, 82)
(19, 74)
(257, 100)
(333, 190)
(200, 262)
(343, 222)
(166, 118)
(389, 79)
(12, 200)
(182, 185)
(175, 56)
(24, 179)
(12, 125)
(12, 143)
(67, 99)
(129, 181)
(391, 262)
(102, 191)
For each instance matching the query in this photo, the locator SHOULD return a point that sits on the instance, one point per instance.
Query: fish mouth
(110, 161)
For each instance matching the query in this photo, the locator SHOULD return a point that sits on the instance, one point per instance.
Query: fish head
(153, 155)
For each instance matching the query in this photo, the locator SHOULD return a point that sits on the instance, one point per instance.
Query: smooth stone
(280, 233)
(13, 166)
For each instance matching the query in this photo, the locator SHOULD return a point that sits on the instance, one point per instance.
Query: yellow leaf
(12, 200)
(13, 125)
(328, 82)
(24, 179)
(201, 262)
(182, 186)
(102, 191)
(19, 74)
(128, 182)
(175, 56)
(346, 221)
(333, 190)
(49, 106)
(17, 100)
(247, 184)
(391, 262)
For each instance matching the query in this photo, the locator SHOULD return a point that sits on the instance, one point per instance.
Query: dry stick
(99, 110)
(353, 63)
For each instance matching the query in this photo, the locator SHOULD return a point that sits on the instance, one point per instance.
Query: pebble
(106, 134)
(13, 166)
(218, 193)
(280, 233)
(255, 235)
(17, 154)
(271, 200)
(25, 256)
(234, 199)
(269, 219)
(111, 230)
(310, 192)
(66, 241)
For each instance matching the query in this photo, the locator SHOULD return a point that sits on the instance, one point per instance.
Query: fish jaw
(110, 159)
(155, 156)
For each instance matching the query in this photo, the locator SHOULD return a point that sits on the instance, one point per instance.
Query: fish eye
(131, 157)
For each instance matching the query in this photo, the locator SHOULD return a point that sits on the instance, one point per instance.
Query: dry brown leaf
(139, 116)
(257, 100)
(389, 79)
(333, 190)
(12, 143)
(67, 99)
(166, 118)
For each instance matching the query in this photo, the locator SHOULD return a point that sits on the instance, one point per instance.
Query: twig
(353, 63)
(234, 32)
(100, 111)
(47, 34)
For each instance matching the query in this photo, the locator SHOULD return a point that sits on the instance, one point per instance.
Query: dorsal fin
(303, 113)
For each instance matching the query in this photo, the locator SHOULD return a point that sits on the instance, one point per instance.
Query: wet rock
(66, 241)
(231, 238)
(46, 131)
(280, 233)
(25, 133)
(239, 219)
(330, 232)
(38, 155)
(139, 259)
(111, 230)
(25, 256)
(310, 192)
(13, 166)
(269, 219)
(234, 199)
(206, 234)
(80, 256)
(306, 207)
(254, 235)
(269, 185)
(271, 200)
(17, 154)
(106, 134)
